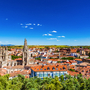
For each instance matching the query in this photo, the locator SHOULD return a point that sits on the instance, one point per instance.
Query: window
(41, 68)
(48, 68)
(64, 73)
(49, 74)
(56, 68)
(64, 68)
(57, 74)
(44, 69)
(53, 68)
(41, 75)
(61, 73)
(37, 75)
(37, 69)
(86, 71)
(60, 68)
(54, 73)
(45, 74)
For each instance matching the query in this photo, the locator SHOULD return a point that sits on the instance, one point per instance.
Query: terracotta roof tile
(49, 68)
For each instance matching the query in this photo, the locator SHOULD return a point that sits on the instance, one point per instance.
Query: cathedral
(5, 59)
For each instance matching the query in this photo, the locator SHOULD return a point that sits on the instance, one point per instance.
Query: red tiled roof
(45, 68)
(18, 59)
(24, 72)
(78, 59)
(73, 73)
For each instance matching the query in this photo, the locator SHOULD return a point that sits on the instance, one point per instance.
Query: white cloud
(34, 24)
(38, 24)
(44, 34)
(54, 31)
(61, 36)
(26, 26)
(52, 39)
(49, 34)
(31, 28)
(29, 24)
(21, 24)
(75, 40)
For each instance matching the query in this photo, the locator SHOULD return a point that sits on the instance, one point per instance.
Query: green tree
(61, 78)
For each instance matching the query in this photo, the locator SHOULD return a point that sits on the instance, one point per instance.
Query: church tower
(6, 53)
(25, 57)
(0, 53)
(3, 56)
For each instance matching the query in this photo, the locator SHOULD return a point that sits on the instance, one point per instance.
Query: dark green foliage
(15, 57)
(58, 61)
(51, 57)
(72, 70)
(38, 58)
(61, 83)
(47, 47)
(67, 58)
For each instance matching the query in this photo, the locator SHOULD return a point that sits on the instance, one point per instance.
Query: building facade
(48, 71)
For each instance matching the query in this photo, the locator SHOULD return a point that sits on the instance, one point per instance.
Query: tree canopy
(57, 83)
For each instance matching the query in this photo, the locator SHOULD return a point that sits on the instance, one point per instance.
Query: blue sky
(45, 22)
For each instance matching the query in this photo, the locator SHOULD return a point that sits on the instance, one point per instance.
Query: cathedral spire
(6, 48)
(25, 45)
(0, 49)
(25, 57)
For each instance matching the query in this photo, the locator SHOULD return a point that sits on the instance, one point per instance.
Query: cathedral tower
(25, 54)
(6, 53)
(3, 56)
(0, 53)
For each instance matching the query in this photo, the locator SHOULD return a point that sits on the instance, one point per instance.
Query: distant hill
(6, 45)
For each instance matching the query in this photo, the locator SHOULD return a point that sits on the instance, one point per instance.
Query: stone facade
(3, 56)
(26, 57)
(6, 62)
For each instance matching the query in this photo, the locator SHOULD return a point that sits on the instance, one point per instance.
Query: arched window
(48, 68)
(53, 68)
(64, 68)
(14, 64)
(11, 64)
(7, 64)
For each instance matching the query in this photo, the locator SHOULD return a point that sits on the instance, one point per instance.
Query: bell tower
(25, 57)
(0, 53)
